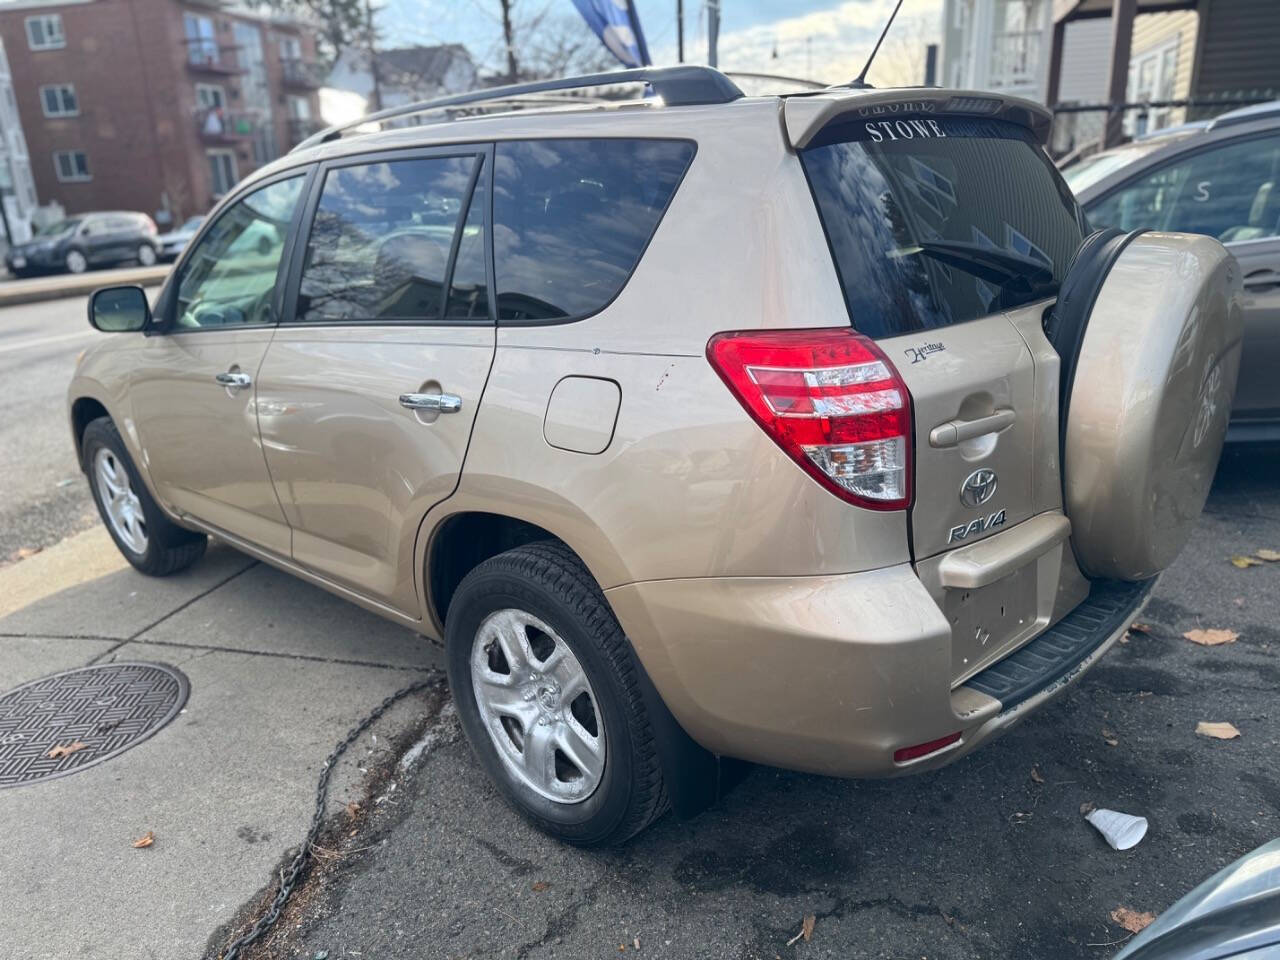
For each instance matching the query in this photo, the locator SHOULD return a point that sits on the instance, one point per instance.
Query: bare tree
(901, 60)
(541, 43)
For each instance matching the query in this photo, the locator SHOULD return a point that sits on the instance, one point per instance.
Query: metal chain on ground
(289, 877)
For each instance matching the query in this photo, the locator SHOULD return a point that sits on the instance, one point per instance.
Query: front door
(194, 390)
(370, 386)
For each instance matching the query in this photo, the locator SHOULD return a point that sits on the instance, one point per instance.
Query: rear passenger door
(368, 391)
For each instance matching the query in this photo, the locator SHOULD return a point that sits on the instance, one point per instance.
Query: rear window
(572, 218)
(939, 220)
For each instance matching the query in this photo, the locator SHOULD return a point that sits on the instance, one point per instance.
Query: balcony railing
(205, 56)
(216, 125)
(301, 74)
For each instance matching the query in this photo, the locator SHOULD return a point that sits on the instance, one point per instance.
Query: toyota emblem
(978, 487)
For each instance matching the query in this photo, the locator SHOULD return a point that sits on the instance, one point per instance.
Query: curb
(16, 292)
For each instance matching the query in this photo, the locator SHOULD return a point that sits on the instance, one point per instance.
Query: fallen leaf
(1087, 808)
(540, 886)
(1036, 775)
(57, 753)
(146, 840)
(25, 552)
(1212, 638)
(1244, 563)
(352, 809)
(1132, 920)
(1271, 556)
(1109, 736)
(1138, 627)
(1220, 731)
(806, 928)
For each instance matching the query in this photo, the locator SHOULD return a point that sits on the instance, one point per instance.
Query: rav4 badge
(980, 525)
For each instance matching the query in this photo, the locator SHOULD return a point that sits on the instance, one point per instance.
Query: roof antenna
(860, 81)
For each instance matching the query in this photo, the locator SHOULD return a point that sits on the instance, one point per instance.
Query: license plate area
(989, 622)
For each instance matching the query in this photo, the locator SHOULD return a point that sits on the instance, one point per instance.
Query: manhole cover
(108, 708)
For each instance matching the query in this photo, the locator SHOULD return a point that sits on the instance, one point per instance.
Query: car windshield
(56, 229)
(1085, 173)
(941, 219)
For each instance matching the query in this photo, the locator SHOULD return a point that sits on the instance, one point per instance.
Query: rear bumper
(832, 675)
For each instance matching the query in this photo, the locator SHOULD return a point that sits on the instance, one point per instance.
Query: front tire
(76, 262)
(546, 689)
(147, 255)
(149, 540)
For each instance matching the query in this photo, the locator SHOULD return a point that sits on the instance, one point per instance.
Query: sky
(826, 40)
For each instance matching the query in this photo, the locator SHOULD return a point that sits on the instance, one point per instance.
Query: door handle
(1262, 280)
(233, 381)
(439, 402)
(957, 431)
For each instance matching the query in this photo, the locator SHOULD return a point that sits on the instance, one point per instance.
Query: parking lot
(988, 858)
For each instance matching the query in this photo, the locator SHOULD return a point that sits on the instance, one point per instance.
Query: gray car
(1220, 178)
(86, 240)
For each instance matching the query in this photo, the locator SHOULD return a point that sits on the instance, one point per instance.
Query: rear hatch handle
(952, 432)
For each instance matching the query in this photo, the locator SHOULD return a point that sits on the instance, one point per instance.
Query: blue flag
(617, 25)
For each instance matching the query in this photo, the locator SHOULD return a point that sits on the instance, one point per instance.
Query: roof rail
(680, 86)
(1258, 111)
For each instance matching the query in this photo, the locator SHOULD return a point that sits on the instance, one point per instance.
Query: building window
(45, 32)
(222, 171)
(210, 96)
(1153, 76)
(290, 49)
(299, 108)
(202, 45)
(72, 166)
(59, 100)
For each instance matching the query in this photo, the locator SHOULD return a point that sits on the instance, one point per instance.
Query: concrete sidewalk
(279, 672)
(58, 286)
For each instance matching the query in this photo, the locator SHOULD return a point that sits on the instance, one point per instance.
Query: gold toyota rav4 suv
(814, 431)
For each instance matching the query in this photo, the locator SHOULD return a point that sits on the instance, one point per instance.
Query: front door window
(230, 276)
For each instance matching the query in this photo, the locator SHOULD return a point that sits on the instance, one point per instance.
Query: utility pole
(373, 55)
(679, 31)
(508, 36)
(713, 31)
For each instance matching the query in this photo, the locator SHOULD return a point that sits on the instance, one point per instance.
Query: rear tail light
(834, 403)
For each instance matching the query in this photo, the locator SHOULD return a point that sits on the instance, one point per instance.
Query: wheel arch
(84, 410)
(695, 777)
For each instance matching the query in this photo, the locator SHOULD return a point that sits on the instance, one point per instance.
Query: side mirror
(119, 309)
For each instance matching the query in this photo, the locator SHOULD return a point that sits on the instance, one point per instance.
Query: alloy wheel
(147, 255)
(119, 502)
(76, 262)
(537, 706)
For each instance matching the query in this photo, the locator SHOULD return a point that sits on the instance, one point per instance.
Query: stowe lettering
(926, 129)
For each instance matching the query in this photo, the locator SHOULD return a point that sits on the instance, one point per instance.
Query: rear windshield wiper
(994, 266)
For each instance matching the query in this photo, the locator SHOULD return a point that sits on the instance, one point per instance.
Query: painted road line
(45, 341)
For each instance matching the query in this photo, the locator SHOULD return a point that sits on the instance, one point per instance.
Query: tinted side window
(939, 220)
(230, 276)
(1231, 192)
(381, 240)
(572, 217)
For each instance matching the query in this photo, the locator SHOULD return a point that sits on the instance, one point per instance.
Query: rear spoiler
(803, 115)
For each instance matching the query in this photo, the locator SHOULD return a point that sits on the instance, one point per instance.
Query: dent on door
(355, 466)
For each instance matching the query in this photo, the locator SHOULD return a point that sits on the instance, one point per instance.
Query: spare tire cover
(1149, 404)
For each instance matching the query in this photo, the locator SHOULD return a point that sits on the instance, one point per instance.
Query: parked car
(1220, 178)
(1234, 915)
(172, 242)
(86, 240)
(696, 436)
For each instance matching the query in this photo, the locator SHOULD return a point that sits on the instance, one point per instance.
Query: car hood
(1234, 911)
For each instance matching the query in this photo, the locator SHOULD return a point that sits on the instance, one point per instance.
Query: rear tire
(544, 585)
(149, 540)
(147, 255)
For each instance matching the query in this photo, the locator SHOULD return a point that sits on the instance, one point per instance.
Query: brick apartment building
(155, 105)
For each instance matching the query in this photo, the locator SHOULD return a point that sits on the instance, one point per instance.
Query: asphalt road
(980, 860)
(45, 496)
